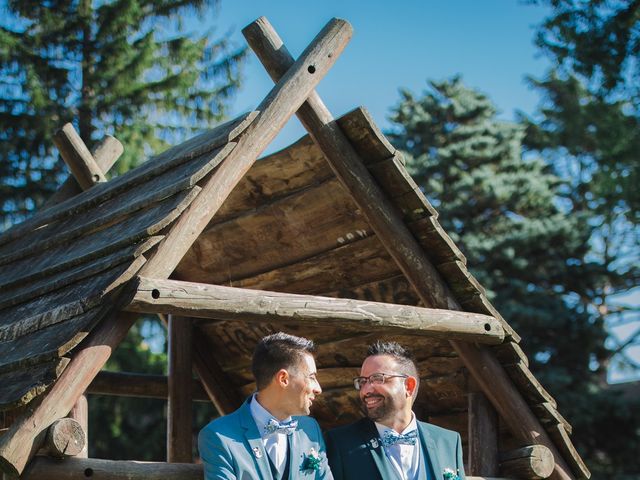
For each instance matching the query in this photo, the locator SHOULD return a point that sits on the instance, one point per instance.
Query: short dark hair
(277, 351)
(402, 356)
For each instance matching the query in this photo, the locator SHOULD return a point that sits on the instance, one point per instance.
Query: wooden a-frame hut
(329, 238)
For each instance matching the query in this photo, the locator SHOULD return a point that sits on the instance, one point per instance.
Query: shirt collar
(413, 425)
(261, 415)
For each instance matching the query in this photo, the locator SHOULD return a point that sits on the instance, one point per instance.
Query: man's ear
(282, 377)
(410, 384)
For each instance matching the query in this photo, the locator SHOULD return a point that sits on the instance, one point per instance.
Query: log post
(65, 438)
(482, 452)
(533, 462)
(105, 155)
(76, 155)
(179, 408)
(388, 226)
(80, 413)
(231, 303)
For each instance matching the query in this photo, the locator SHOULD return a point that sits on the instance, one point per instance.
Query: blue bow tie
(390, 438)
(274, 426)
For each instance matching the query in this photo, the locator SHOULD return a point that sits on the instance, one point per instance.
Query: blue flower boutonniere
(311, 461)
(450, 474)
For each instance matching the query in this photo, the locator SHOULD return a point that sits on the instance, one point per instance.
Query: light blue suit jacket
(231, 448)
(356, 452)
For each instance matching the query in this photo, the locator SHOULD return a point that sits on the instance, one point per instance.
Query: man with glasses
(390, 443)
(270, 436)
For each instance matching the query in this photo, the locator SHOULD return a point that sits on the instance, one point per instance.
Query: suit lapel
(295, 442)
(374, 444)
(430, 453)
(256, 447)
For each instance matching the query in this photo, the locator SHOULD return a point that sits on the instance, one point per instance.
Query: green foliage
(122, 428)
(514, 220)
(122, 67)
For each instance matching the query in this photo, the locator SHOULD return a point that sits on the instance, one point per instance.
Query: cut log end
(66, 438)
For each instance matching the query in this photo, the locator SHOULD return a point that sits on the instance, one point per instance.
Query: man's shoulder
(223, 424)
(436, 431)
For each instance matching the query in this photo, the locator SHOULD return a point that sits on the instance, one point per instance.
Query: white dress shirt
(275, 444)
(404, 458)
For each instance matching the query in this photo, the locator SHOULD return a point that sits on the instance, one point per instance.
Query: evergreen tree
(524, 243)
(123, 67)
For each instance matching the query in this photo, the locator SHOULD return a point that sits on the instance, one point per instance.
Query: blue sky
(398, 44)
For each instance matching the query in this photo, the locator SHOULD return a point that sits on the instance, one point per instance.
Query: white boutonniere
(450, 474)
(311, 461)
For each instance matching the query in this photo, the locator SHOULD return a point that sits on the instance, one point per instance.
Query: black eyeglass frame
(357, 385)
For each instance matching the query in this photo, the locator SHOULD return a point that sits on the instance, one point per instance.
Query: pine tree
(123, 67)
(527, 246)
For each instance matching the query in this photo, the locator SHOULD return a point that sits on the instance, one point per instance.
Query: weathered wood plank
(435, 241)
(179, 408)
(78, 158)
(280, 174)
(21, 386)
(277, 234)
(479, 303)
(29, 290)
(141, 385)
(229, 303)
(459, 279)
(131, 230)
(550, 417)
(65, 303)
(530, 462)
(569, 452)
(529, 385)
(358, 126)
(510, 352)
(43, 468)
(173, 157)
(350, 265)
(275, 110)
(47, 344)
(106, 154)
(129, 202)
(401, 188)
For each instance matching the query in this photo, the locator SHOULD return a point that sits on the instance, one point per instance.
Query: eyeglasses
(375, 379)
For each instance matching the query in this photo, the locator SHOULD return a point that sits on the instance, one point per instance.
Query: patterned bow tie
(274, 426)
(391, 438)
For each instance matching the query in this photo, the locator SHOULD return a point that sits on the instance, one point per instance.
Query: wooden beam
(65, 438)
(482, 450)
(106, 154)
(275, 110)
(140, 385)
(529, 463)
(80, 413)
(25, 436)
(229, 303)
(78, 157)
(179, 408)
(43, 468)
(400, 243)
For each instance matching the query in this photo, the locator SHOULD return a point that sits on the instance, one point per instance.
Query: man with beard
(390, 443)
(270, 437)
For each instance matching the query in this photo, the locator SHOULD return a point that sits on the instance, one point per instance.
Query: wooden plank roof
(62, 271)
